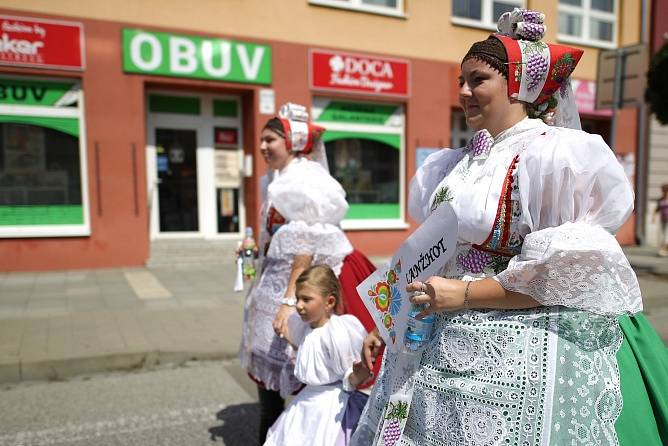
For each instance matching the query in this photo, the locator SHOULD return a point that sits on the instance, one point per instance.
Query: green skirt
(643, 371)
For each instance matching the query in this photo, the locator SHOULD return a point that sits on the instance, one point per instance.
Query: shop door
(176, 166)
(194, 158)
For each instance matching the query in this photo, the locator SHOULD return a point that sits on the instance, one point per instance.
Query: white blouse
(573, 195)
(313, 203)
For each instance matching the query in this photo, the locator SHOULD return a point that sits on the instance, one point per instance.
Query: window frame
(358, 5)
(54, 230)
(486, 12)
(586, 13)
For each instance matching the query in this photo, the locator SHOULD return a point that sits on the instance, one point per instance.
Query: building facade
(122, 123)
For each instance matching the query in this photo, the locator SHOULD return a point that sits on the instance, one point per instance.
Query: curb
(61, 369)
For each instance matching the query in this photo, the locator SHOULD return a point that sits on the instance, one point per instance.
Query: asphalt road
(200, 404)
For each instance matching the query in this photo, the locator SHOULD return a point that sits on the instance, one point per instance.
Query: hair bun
(522, 24)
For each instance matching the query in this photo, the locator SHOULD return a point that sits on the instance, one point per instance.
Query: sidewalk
(54, 325)
(58, 324)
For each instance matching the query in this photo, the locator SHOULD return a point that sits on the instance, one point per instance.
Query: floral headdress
(301, 135)
(538, 72)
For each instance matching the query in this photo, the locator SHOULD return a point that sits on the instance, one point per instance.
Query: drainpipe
(642, 158)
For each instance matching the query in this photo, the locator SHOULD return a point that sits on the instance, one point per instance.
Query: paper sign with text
(422, 255)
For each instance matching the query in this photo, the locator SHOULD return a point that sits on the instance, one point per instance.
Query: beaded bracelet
(466, 294)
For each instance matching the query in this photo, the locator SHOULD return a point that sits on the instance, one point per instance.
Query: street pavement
(56, 325)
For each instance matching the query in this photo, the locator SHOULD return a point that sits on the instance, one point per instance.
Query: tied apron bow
(480, 145)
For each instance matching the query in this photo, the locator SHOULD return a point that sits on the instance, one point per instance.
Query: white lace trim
(576, 265)
(321, 241)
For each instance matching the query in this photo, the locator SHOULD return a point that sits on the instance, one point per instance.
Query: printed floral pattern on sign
(396, 414)
(386, 297)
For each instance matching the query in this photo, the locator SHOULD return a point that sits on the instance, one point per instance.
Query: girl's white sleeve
(574, 195)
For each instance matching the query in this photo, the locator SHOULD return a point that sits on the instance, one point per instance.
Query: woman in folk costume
(538, 338)
(302, 209)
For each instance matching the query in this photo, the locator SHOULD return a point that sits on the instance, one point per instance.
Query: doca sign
(358, 73)
(168, 54)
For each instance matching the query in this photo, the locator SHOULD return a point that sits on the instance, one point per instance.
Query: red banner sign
(585, 98)
(31, 42)
(336, 71)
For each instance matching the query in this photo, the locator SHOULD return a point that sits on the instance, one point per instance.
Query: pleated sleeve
(574, 196)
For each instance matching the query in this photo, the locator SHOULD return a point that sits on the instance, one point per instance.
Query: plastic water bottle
(248, 252)
(418, 331)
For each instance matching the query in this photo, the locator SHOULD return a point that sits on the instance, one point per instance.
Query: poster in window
(228, 168)
(227, 202)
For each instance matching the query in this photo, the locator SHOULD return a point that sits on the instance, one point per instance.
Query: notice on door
(228, 169)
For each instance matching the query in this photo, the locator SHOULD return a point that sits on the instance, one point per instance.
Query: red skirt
(356, 268)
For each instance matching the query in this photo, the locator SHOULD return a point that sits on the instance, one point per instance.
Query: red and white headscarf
(301, 135)
(538, 72)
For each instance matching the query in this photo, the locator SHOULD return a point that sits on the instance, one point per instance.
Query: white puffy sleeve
(313, 203)
(574, 196)
(327, 352)
(427, 178)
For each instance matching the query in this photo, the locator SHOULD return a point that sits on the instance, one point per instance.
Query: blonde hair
(323, 279)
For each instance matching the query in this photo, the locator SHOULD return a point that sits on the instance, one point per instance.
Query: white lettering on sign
(207, 58)
(356, 72)
(155, 58)
(250, 68)
(225, 62)
(19, 46)
(16, 27)
(368, 67)
(182, 58)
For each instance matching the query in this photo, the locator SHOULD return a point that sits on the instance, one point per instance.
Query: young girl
(328, 346)
(662, 211)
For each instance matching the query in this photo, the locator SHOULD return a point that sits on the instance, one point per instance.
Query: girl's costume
(536, 206)
(324, 361)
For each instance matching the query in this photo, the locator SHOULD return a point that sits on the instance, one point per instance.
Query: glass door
(176, 165)
(194, 166)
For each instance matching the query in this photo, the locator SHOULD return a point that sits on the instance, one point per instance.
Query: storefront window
(39, 167)
(42, 189)
(369, 172)
(365, 152)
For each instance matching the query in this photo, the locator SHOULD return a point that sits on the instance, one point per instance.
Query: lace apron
(540, 376)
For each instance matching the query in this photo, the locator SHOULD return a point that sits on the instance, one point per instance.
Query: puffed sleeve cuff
(324, 242)
(576, 265)
(427, 178)
(345, 383)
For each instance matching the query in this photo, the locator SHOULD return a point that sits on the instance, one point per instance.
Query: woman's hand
(280, 323)
(439, 294)
(371, 347)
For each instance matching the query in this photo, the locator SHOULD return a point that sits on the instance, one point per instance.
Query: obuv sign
(198, 57)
